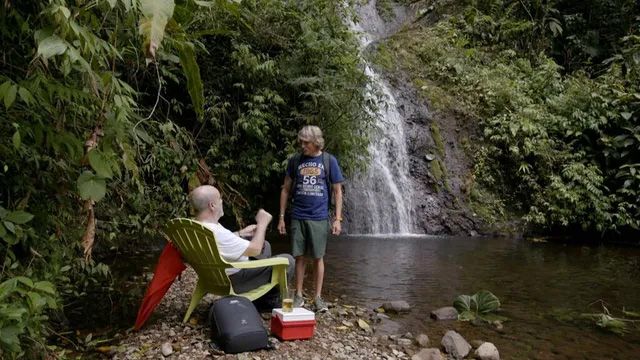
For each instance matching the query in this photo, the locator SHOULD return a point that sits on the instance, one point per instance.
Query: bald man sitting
(233, 246)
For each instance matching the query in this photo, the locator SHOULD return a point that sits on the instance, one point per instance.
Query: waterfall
(380, 199)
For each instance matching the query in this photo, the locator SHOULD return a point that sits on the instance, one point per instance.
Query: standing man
(313, 177)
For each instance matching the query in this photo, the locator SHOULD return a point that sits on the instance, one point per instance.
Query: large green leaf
(477, 305)
(464, 303)
(9, 337)
(45, 286)
(91, 186)
(487, 302)
(192, 72)
(100, 164)
(155, 14)
(19, 217)
(51, 46)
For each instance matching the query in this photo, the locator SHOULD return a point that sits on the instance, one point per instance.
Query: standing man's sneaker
(320, 305)
(298, 301)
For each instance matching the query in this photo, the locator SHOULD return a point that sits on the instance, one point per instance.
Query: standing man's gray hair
(312, 134)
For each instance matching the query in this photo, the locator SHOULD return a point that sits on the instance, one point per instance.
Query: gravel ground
(346, 331)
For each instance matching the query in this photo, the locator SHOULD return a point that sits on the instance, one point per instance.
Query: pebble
(166, 349)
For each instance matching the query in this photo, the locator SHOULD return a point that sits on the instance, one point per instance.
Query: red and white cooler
(295, 325)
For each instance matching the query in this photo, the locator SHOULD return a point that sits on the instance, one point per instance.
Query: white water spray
(380, 200)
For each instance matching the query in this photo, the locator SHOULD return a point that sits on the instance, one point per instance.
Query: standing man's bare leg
(299, 274)
(318, 265)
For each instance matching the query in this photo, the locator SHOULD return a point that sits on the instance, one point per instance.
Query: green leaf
(51, 46)
(24, 280)
(91, 186)
(36, 300)
(155, 15)
(100, 164)
(112, 3)
(482, 302)
(65, 11)
(45, 287)
(10, 226)
(4, 87)
(626, 115)
(127, 4)
(192, 72)
(10, 96)
(467, 316)
(16, 139)
(13, 313)
(9, 337)
(19, 217)
(464, 303)
(487, 302)
(25, 95)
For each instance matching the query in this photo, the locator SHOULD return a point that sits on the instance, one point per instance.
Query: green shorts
(309, 237)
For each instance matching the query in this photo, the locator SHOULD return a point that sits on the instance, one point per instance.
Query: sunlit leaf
(155, 15)
(51, 46)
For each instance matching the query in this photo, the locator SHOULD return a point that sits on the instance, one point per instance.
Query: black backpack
(236, 325)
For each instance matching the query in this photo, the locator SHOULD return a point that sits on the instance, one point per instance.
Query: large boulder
(445, 313)
(487, 351)
(455, 345)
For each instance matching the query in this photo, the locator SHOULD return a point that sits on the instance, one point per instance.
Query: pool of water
(538, 284)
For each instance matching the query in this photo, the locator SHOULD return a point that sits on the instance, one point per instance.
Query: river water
(542, 288)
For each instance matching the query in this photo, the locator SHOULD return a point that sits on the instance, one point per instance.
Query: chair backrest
(198, 248)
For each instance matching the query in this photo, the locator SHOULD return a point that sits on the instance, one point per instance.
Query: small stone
(172, 333)
(166, 349)
(455, 345)
(397, 306)
(429, 157)
(445, 313)
(422, 340)
(487, 351)
(364, 326)
(408, 335)
(428, 354)
(404, 342)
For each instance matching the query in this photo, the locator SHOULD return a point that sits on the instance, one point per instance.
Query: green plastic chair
(198, 248)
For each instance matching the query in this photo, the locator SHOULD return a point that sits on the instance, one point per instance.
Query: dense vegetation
(555, 89)
(111, 108)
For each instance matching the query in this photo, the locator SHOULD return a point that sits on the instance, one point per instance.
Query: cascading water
(380, 200)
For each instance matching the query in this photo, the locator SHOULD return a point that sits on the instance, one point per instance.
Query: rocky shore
(346, 331)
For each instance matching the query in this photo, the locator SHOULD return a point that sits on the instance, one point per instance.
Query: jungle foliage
(108, 107)
(555, 88)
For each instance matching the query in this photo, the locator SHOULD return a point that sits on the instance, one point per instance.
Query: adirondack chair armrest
(259, 263)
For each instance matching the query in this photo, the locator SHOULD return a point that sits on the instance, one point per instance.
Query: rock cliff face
(438, 164)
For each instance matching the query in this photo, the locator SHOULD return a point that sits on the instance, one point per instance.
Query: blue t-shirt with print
(310, 191)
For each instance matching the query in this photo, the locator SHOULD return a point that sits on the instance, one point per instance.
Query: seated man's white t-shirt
(230, 246)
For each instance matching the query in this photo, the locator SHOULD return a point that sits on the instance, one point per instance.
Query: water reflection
(533, 280)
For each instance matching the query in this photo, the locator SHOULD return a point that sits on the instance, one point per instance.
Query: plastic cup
(287, 303)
